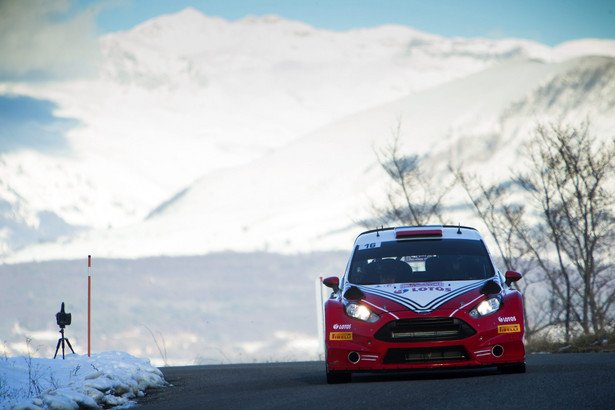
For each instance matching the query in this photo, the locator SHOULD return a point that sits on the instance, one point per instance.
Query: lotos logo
(432, 288)
(341, 327)
(507, 319)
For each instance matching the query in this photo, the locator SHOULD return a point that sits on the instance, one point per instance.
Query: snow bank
(102, 380)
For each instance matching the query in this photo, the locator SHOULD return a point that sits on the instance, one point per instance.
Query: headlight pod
(486, 307)
(361, 312)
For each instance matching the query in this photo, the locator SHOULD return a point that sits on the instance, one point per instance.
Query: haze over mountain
(199, 134)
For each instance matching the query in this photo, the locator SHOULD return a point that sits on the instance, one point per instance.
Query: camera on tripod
(63, 318)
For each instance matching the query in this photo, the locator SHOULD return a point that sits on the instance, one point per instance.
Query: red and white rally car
(422, 297)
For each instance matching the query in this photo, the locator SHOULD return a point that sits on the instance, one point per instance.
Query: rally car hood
(423, 297)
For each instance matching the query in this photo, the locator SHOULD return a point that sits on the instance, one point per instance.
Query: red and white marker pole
(89, 297)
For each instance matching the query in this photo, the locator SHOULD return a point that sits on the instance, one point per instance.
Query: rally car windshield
(421, 261)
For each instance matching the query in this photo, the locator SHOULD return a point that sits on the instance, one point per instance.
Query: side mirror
(512, 276)
(332, 282)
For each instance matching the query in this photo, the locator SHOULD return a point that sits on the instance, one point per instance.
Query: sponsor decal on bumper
(509, 328)
(340, 336)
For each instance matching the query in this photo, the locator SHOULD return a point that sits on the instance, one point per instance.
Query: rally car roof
(418, 232)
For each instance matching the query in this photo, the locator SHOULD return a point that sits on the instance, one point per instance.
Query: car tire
(512, 368)
(338, 377)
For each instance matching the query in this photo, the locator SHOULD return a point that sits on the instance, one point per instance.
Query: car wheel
(512, 368)
(337, 377)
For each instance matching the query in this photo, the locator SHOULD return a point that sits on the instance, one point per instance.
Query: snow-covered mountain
(200, 134)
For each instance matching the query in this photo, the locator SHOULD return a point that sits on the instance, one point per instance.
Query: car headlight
(486, 307)
(361, 312)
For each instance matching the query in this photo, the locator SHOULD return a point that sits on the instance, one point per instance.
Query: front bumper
(423, 342)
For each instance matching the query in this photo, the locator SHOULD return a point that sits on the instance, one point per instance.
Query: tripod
(61, 341)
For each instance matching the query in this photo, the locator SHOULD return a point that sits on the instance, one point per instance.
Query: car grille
(426, 329)
(425, 355)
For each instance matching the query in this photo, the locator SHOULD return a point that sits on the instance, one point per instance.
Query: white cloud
(43, 39)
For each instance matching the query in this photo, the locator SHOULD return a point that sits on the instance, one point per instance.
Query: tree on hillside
(414, 198)
(568, 242)
(571, 176)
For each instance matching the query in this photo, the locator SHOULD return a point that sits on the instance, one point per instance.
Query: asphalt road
(552, 381)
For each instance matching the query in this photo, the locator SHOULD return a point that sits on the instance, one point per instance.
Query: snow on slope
(186, 95)
(310, 194)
